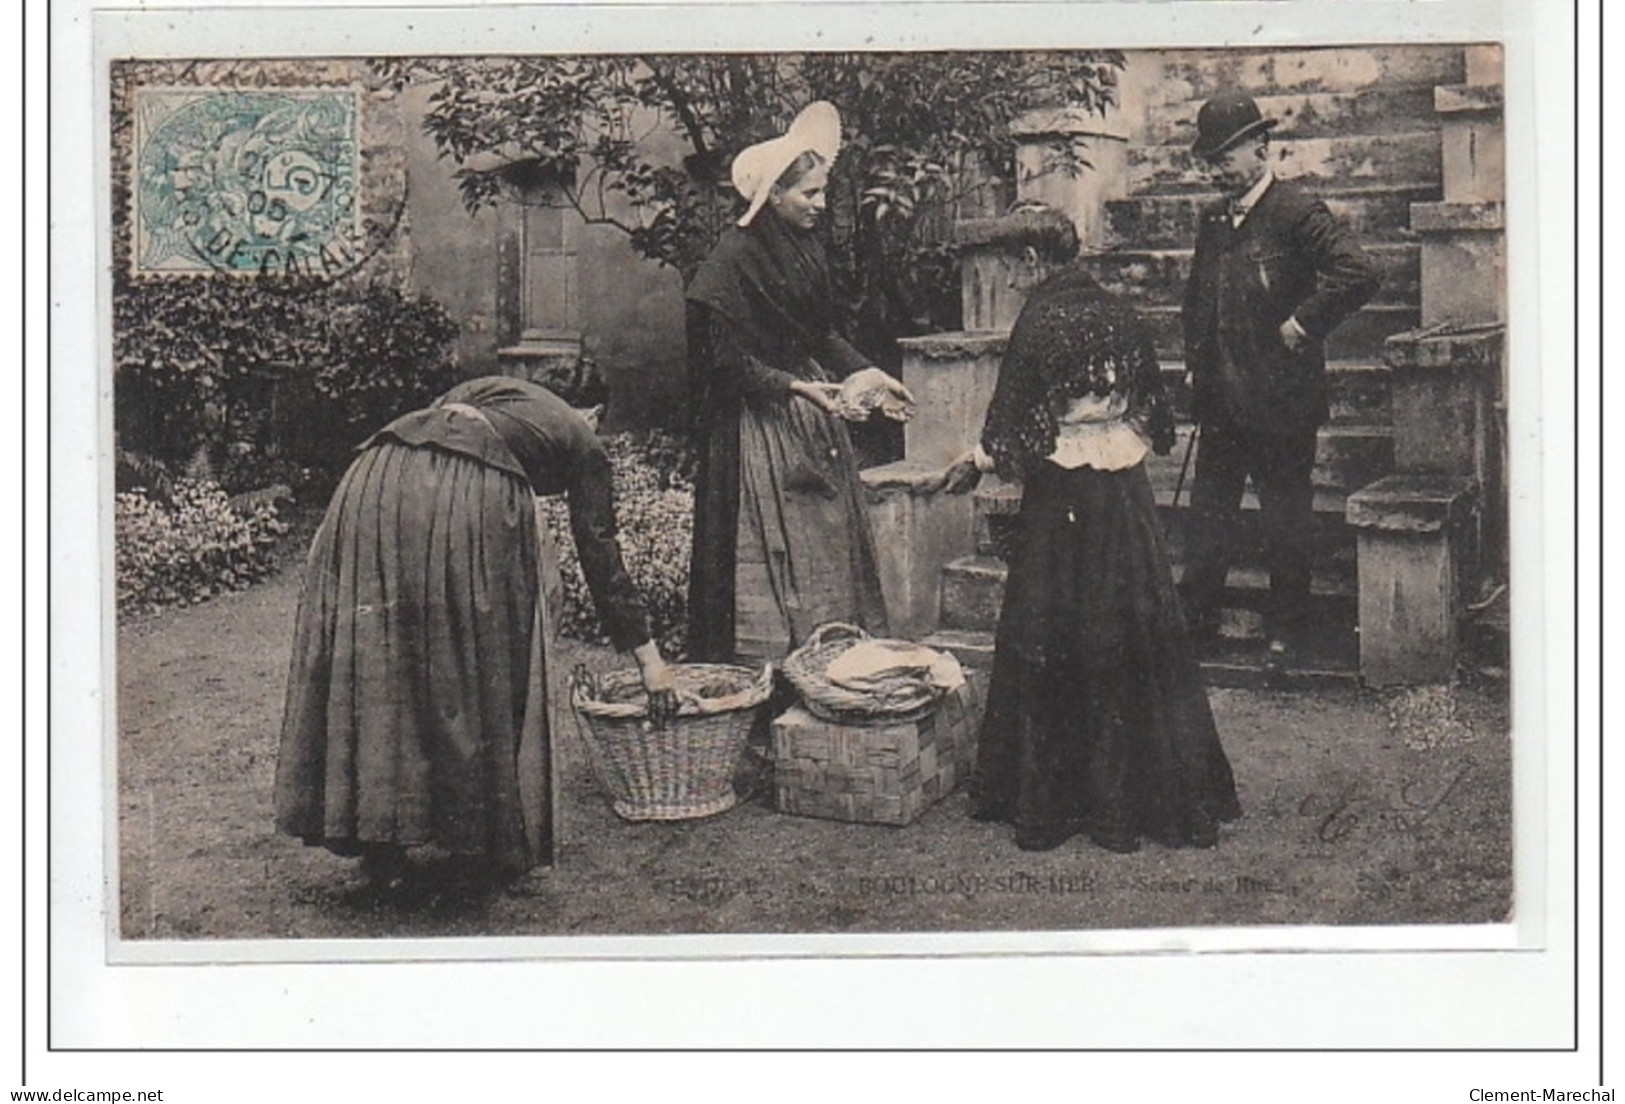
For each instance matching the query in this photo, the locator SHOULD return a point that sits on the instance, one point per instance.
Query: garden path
(1359, 808)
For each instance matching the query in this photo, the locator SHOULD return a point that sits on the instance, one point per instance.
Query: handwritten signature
(1404, 808)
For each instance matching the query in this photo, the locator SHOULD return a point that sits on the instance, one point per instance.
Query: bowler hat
(1226, 119)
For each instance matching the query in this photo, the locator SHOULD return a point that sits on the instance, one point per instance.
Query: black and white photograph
(790, 492)
(840, 498)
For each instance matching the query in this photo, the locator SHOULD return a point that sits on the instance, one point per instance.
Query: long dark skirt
(1097, 718)
(413, 678)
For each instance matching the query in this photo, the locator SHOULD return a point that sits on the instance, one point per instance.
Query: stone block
(995, 504)
(1101, 141)
(1083, 195)
(990, 251)
(1444, 383)
(972, 647)
(1485, 65)
(1464, 278)
(1463, 261)
(1473, 142)
(973, 593)
(916, 536)
(952, 376)
(1410, 530)
(989, 298)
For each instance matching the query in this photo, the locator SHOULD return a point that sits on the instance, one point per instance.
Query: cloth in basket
(843, 674)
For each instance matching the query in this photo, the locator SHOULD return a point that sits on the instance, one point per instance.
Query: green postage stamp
(240, 182)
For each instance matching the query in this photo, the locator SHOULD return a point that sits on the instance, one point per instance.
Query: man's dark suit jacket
(1289, 258)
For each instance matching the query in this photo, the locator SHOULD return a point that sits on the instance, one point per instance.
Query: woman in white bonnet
(781, 534)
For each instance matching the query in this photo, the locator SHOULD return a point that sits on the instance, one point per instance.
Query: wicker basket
(904, 699)
(684, 770)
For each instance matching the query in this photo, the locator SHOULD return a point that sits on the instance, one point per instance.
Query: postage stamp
(248, 183)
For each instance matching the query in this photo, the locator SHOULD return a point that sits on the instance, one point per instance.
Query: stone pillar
(1043, 137)
(548, 357)
(1438, 526)
(951, 376)
(992, 281)
(917, 535)
(1463, 237)
(1410, 529)
(1420, 531)
(1442, 382)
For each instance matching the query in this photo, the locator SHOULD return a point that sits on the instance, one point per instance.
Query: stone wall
(629, 310)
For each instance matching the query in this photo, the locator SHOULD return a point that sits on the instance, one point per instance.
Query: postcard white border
(1456, 998)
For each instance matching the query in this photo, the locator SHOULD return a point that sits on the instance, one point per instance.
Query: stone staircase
(1358, 127)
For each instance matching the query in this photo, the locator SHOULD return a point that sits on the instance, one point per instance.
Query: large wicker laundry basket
(686, 769)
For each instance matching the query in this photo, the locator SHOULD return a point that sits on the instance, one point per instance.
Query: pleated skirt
(1097, 716)
(415, 710)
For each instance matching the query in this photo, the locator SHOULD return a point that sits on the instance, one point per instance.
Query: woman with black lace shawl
(1097, 718)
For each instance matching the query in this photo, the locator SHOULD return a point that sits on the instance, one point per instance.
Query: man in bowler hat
(1274, 273)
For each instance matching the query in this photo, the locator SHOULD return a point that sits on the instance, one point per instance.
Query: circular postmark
(264, 183)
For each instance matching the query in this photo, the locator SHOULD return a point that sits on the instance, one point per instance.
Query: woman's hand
(871, 389)
(957, 478)
(898, 402)
(825, 396)
(659, 683)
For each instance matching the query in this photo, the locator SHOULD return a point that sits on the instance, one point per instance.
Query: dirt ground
(1359, 808)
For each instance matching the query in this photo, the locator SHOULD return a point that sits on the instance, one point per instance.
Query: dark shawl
(1073, 338)
(761, 312)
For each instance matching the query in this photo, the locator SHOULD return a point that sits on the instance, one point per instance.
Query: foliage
(925, 134)
(188, 546)
(654, 511)
(251, 381)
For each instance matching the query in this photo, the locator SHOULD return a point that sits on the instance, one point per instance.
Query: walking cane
(1184, 465)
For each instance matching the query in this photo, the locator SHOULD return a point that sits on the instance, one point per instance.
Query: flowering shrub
(249, 383)
(189, 546)
(654, 512)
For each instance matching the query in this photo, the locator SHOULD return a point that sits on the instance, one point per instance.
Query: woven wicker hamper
(886, 773)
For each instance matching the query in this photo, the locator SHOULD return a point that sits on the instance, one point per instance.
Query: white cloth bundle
(869, 665)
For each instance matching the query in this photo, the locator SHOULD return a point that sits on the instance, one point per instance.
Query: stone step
(1341, 449)
(1309, 114)
(1157, 276)
(1389, 158)
(1376, 213)
(1360, 391)
(972, 593)
(1327, 658)
(1360, 337)
(1347, 457)
(973, 649)
(1486, 639)
(1197, 74)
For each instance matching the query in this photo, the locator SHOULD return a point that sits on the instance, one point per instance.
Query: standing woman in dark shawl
(781, 533)
(1097, 719)
(420, 688)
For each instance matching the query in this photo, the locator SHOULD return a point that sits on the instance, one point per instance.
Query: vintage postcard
(579, 493)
